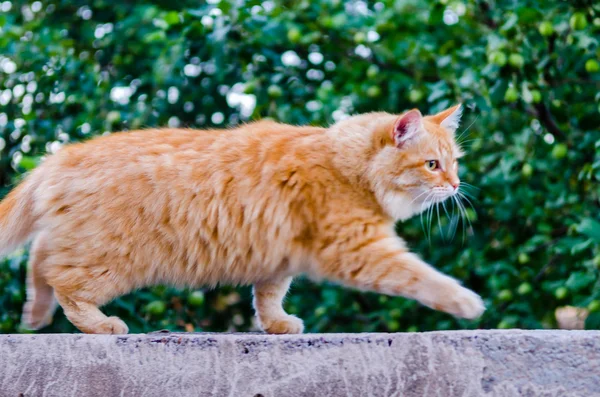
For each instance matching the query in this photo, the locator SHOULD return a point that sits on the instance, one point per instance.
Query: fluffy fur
(258, 205)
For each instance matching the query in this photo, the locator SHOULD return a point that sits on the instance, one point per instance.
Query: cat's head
(417, 161)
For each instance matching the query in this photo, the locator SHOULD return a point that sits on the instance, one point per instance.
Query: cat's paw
(284, 325)
(464, 303)
(113, 326)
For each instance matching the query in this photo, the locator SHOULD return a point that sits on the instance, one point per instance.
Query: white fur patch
(399, 206)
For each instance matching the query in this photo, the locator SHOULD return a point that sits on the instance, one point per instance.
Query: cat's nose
(455, 185)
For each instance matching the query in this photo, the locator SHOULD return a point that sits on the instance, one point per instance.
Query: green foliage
(527, 72)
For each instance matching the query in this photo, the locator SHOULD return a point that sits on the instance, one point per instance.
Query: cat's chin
(401, 206)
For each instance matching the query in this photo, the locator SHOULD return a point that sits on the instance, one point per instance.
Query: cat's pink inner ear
(407, 126)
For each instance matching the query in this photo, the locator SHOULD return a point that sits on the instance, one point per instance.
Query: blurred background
(527, 71)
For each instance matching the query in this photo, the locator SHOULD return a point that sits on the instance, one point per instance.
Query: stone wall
(460, 363)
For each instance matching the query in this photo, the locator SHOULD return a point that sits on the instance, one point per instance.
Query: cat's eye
(432, 165)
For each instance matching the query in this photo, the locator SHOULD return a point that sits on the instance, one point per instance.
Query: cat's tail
(17, 220)
(17, 225)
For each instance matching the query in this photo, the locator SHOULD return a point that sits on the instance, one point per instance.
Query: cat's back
(130, 150)
(171, 167)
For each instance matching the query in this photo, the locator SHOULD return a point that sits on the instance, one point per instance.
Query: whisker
(467, 194)
(467, 129)
(413, 200)
(430, 213)
(423, 208)
(445, 209)
(467, 215)
(437, 209)
(462, 216)
(455, 218)
(449, 217)
(461, 194)
(463, 143)
(466, 184)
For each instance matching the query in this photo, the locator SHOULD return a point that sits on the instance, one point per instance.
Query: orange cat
(258, 205)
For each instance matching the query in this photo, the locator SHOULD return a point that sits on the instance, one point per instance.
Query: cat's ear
(407, 127)
(449, 118)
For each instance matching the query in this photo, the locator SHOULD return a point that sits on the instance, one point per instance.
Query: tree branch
(547, 120)
(487, 20)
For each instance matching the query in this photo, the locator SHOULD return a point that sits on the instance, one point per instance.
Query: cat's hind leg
(41, 303)
(80, 286)
(268, 301)
(88, 318)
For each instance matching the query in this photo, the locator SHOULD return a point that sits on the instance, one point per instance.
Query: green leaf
(593, 321)
(158, 35)
(582, 246)
(579, 280)
(591, 228)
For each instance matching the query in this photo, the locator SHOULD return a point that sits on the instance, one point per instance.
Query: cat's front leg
(268, 303)
(384, 265)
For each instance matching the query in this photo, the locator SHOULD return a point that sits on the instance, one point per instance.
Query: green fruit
(505, 295)
(415, 95)
(339, 20)
(113, 116)
(527, 170)
(250, 87)
(274, 91)
(393, 325)
(395, 313)
(559, 151)
(597, 261)
(412, 328)
(561, 293)
(546, 28)
(313, 37)
(523, 258)
(294, 35)
(497, 58)
(360, 37)
(28, 162)
(516, 60)
(372, 71)
(320, 311)
(504, 325)
(471, 214)
(592, 66)
(524, 289)
(156, 308)
(594, 306)
(536, 96)
(172, 18)
(196, 298)
(511, 95)
(578, 21)
(373, 91)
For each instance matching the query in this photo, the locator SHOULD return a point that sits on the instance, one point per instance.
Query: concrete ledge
(460, 363)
